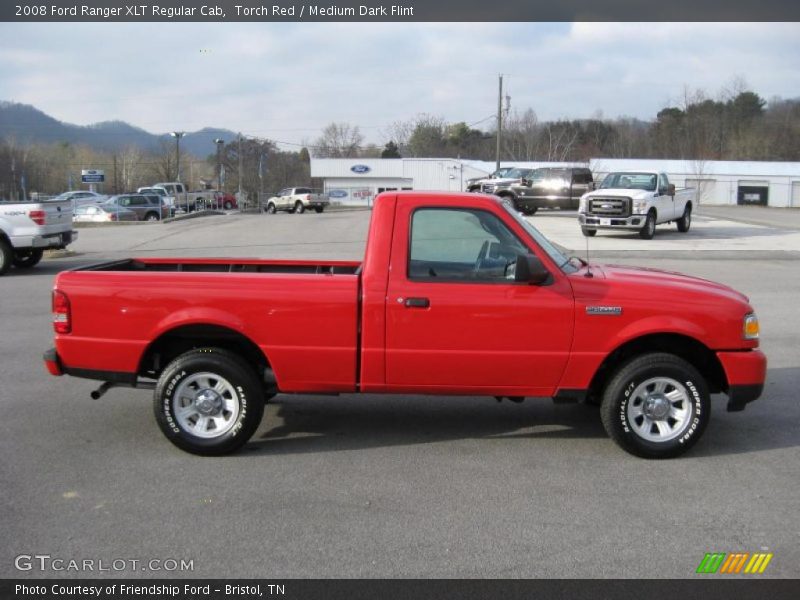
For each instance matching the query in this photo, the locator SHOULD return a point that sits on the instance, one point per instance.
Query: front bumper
(746, 372)
(596, 222)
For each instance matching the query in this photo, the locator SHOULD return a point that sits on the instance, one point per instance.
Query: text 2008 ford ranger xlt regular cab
(457, 295)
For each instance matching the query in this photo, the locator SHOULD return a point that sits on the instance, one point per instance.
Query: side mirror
(671, 189)
(591, 186)
(525, 182)
(529, 269)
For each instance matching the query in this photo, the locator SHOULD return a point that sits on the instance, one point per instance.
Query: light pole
(178, 135)
(219, 142)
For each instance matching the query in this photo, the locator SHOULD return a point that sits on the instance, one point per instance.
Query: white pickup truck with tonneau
(636, 201)
(296, 200)
(27, 229)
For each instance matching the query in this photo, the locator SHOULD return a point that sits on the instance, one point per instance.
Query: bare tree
(339, 140)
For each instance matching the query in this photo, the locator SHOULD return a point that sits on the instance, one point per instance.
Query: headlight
(582, 205)
(640, 206)
(750, 327)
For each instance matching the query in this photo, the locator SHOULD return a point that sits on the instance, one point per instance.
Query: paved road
(404, 486)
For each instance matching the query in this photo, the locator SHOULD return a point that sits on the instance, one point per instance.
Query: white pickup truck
(636, 201)
(27, 229)
(296, 200)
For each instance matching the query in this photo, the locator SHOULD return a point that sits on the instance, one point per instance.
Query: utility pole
(239, 199)
(499, 121)
(178, 135)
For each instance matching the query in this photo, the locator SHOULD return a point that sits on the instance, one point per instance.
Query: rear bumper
(53, 363)
(50, 240)
(746, 372)
(54, 366)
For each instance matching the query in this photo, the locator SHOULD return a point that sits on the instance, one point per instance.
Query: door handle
(417, 303)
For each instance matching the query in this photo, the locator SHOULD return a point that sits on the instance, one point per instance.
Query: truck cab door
(666, 201)
(456, 321)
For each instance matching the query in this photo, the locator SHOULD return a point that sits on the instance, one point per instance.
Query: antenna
(588, 266)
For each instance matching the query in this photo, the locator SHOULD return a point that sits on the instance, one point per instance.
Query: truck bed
(303, 315)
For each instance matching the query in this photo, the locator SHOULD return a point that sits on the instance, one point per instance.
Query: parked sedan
(147, 208)
(102, 213)
(81, 197)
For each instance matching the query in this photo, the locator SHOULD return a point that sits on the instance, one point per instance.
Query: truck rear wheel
(656, 406)
(270, 209)
(299, 208)
(208, 401)
(686, 220)
(6, 256)
(25, 259)
(648, 230)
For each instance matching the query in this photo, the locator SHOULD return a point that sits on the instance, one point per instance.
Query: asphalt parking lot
(401, 486)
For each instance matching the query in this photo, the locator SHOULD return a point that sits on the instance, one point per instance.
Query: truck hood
(656, 278)
(619, 193)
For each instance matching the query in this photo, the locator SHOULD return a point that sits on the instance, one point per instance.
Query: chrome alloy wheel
(659, 409)
(206, 405)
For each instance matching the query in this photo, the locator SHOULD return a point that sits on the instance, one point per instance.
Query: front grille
(610, 207)
(487, 188)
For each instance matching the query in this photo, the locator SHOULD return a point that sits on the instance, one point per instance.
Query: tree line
(737, 125)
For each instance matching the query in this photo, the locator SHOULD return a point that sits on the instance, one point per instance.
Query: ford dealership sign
(338, 194)
(360, 169)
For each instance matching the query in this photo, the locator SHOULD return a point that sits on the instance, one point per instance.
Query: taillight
(62, 318)
(112, 216)
(308, 197)
(37, 216)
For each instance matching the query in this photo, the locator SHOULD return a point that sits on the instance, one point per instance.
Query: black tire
(25, 259)
(529, 211)
(685, 222)
(201, 372)
(299, 208)
(634, 387)
(648, 230)
(271, 209)
(319, 209)
(151, 216)
(227, 205)
(588, 232)
(6, 256)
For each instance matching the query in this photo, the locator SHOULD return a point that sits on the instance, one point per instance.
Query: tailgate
(57, 216)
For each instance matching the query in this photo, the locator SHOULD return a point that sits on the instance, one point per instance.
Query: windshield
(633, 181)
(556, 254)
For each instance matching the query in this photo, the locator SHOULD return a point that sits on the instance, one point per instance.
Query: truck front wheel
(648, 230)
(686, 220)
(588, 232)
(208, 401)
(656, 406)
(25, 259)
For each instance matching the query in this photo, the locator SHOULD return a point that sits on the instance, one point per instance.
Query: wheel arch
(686, 347)
(182, 338)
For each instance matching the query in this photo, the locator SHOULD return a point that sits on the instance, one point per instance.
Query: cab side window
(461, 245)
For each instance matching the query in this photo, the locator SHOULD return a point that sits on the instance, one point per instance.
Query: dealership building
(357, 181)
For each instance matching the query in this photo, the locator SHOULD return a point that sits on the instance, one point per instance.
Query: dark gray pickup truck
(548, 187)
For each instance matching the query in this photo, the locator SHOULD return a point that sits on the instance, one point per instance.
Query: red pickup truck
(457, 295)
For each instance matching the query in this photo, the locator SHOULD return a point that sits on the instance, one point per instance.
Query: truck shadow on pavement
(320, 424)
(310, 424)
(703, 232)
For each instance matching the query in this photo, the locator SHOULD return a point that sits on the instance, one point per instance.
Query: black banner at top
(399, 10)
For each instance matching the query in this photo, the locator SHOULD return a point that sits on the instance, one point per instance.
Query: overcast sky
(287, 81)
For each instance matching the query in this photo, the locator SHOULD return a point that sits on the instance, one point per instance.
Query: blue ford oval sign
(360, 169)
(338, 193)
